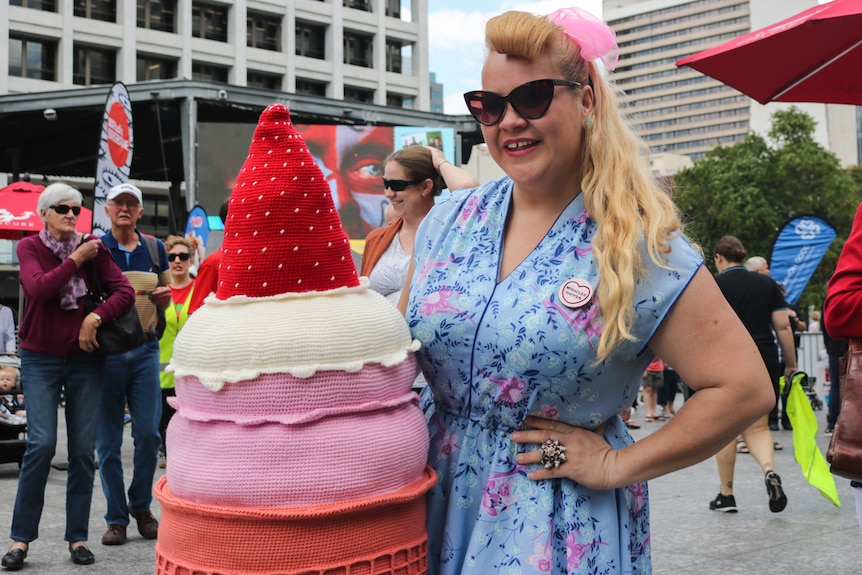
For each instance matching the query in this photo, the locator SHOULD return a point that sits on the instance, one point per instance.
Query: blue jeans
(42, 377)
(133, 378)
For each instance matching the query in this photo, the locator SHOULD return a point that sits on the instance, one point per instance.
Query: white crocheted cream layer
(296, 333)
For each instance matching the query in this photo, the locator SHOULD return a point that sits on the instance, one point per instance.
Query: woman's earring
(588, 122)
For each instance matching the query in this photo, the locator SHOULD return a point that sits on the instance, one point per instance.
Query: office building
(682, 111)
(369, 51)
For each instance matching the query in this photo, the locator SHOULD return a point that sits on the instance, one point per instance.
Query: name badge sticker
(575, 293)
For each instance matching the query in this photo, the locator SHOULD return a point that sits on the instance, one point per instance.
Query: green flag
(808, 455)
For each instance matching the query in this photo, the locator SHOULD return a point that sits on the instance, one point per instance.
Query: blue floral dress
(494, 352)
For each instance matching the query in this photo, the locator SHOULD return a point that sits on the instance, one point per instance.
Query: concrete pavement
(810, 536)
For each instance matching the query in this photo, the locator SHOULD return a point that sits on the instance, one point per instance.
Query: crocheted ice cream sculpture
(297, 446)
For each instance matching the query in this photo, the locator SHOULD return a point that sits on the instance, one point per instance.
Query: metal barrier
(811, 358)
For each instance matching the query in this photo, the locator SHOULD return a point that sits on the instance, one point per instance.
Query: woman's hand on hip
(588, 457)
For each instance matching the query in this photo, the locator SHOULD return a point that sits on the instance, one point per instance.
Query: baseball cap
(125, 189)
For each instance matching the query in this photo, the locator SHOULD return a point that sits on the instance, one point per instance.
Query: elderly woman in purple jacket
(58, 345)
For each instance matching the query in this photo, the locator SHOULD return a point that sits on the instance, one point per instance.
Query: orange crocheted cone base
(383, 535)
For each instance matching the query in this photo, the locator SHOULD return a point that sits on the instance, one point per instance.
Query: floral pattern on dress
(495, 351)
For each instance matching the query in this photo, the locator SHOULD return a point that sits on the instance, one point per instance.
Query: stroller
(806, 383)
(13, 431)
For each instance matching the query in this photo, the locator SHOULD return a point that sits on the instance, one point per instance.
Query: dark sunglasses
(63, 209)
(530, 101)
(183, 257)
(399, 185)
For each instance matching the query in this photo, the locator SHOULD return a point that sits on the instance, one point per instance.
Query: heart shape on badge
(575, 293)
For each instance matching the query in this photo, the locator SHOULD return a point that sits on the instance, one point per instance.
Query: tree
(750, 189)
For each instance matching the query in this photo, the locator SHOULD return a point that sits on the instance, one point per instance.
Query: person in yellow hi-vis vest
(182, 288)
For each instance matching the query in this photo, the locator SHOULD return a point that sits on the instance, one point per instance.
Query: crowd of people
(544, 301)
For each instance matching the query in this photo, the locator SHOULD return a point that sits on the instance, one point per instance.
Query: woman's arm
(784, 335)
(115, 283)
(42, 284)
(455, 178)
(843, 306)
(703, 339)
(405, 293)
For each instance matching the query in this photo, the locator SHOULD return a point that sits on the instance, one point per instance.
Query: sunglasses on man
(530, 101)
(399, 185)
(63, 209)
(183, 257)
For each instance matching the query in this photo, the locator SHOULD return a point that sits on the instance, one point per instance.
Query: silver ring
(553, 453)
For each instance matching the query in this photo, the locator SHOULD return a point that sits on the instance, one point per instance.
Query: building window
(398, 57)
(209, 21)
(393, 8)
(44, 5)
(358, 95)
(358, 49)
(364, 5)
(311, 40)
(155, 68)
(105, 10)
(94, 66)
(263, 80)
(157, 15)
(209, 73)
(263, 31)
(394, 100)
(310, 87)
(31, 58)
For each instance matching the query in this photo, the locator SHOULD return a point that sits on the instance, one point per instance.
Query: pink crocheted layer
(275, 465)
(289, 399)
(382, 535)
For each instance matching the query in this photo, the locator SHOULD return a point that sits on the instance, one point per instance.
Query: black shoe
(14, 559)
(777, 498)
(81, 555)
(830, 430)
(726, 503)
(773, 427)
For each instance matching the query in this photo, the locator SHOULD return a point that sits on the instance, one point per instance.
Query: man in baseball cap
(133, 378)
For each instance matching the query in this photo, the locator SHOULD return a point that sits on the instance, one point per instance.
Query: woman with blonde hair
(182, 292)
(539, 300)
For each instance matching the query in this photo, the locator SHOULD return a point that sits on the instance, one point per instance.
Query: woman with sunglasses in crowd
(413, 178)
(539, 300)
(182, 292)
(59, 355)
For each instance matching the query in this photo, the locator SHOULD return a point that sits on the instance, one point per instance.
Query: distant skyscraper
(682, 111)
(436, 94)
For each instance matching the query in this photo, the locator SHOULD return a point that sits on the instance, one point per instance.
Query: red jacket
(842, 311)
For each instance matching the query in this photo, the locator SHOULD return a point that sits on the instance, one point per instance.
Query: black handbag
(119, 335)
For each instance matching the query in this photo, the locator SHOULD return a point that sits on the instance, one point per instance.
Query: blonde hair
(172, 241)
(14, 370)
(623, 198)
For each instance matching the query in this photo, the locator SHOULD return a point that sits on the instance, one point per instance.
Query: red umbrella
(814, 56)
(19, 212)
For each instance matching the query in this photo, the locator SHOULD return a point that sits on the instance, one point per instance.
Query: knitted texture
(377, 536)
(300, 334)
(282, 233)
(288, 399)
(297, 446)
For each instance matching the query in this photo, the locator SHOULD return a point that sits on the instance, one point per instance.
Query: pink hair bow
(595, 38)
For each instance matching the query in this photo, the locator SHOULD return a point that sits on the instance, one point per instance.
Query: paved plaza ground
(810, 537)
